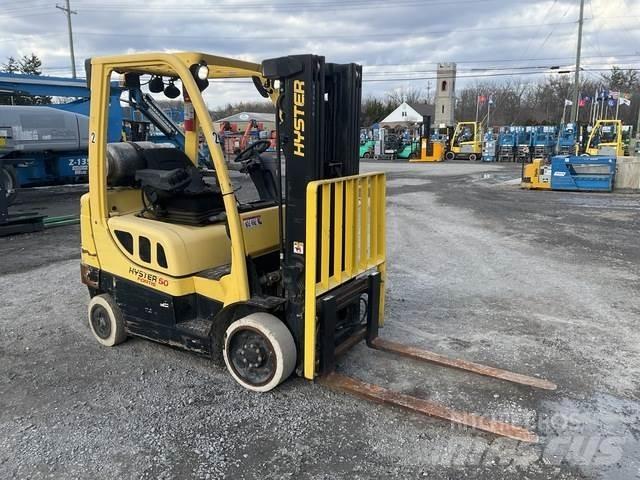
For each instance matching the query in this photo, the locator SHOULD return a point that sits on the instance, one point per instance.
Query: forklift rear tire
(105, 320)
(259, 351)
(450, 156)
(473, 157)
(366, 155)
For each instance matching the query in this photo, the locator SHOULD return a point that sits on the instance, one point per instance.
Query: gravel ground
(543, 283)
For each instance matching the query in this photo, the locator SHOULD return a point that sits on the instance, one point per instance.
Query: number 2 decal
(93, 137)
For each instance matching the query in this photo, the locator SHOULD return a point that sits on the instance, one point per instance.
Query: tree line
(27, 65)
(516, 102)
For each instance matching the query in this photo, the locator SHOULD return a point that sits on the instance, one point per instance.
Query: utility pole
(68, 11)
(576, 82)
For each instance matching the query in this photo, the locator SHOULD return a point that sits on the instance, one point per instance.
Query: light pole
(68, 11)
(576, 81)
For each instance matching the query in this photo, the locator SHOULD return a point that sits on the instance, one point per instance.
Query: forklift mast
(318, 119)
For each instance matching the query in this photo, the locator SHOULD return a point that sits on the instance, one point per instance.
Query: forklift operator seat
(173, 186)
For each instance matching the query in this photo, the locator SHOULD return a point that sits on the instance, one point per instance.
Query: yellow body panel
(437, 153)
(531, 178)
(89, 255)
(188, 249)
(363, 221)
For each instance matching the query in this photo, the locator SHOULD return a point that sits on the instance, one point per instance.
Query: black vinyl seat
(176, 189)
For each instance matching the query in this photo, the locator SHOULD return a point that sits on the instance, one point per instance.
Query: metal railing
(345, 238)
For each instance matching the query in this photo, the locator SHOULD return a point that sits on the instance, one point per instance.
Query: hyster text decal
(148, 278)
(298, 118)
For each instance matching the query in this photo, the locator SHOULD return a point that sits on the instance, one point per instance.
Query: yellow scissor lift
(269, 287)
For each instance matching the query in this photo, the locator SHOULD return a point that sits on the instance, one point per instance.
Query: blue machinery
(13, 84)
(35, 161)
(593, 174)
(507, 146)
(570, 173)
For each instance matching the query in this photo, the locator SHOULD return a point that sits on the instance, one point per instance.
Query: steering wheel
(256, 148)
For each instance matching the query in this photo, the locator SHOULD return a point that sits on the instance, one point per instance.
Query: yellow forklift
(283, 284)
(606, 139)
(466, 142)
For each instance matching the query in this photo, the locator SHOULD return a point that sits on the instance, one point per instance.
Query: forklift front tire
(259, 351)
(473, 157)
(450, 156)
(105, 320)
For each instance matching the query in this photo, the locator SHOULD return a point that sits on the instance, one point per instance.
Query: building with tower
(445, 95)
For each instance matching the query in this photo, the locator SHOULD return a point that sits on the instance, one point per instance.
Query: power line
(300, 6)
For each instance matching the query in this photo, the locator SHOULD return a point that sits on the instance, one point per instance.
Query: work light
(156, 85)
(171, 91)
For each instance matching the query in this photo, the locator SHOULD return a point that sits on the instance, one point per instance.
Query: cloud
(391, 39)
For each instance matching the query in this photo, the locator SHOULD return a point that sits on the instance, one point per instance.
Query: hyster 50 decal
(148, 278)
(298, 118)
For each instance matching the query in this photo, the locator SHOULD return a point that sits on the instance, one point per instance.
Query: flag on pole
(624, 101)
(567, 103)
(615, 95)
(582, 102)
(481, 99)
(611, 102)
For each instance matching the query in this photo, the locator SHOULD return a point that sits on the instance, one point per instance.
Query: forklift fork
(376, 393)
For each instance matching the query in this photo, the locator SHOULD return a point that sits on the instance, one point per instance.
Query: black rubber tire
(473, 157)
(450, 156)
(10, 179)
(412, 156)
(106, 321)
(367, 155)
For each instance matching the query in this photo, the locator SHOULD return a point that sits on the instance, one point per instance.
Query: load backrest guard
(319, 119)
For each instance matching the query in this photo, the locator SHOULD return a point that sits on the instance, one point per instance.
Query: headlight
(203, 72)
(200, 72)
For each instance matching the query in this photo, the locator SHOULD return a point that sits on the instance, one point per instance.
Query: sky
(399, 43)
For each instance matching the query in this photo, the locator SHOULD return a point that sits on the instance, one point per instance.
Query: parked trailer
(39, 145)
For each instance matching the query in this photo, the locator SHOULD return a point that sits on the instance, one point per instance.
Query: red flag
(582, 102)
(482, 99)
